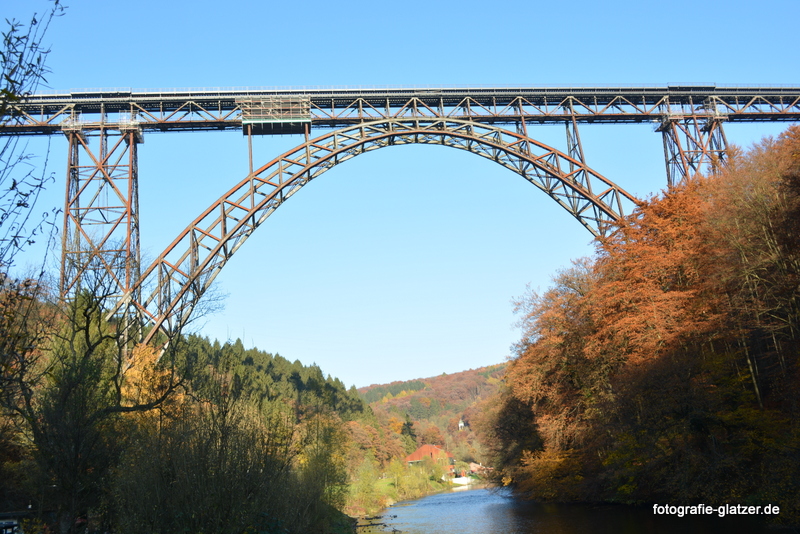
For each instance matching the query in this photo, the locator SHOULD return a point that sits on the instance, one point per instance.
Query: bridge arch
(176, 280)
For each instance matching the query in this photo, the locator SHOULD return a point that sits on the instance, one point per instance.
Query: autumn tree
(653, 370)
(23, 55)
(23, 68)
(68, 390)
(211, 464)
(432, 435)
(753, 208)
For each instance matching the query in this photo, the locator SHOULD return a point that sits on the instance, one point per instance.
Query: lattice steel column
(101, 210)
(574, 146)
(692, 144)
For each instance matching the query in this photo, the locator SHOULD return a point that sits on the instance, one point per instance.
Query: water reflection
(484, 511)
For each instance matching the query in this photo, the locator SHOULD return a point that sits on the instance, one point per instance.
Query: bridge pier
(101, 209)
(692, 144)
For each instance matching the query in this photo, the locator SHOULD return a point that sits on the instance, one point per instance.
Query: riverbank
(380, 522)
(369, 498)
(372, 525)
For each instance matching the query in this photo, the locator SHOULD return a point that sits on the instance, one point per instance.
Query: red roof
(430, 451)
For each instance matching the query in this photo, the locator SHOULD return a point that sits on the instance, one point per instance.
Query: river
(483, 511)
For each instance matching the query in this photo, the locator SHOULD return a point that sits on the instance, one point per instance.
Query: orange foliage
(395, 424)
(145, 381)
(656, 365)
(650, 299)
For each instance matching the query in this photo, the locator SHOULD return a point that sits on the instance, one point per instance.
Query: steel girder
(177, 279)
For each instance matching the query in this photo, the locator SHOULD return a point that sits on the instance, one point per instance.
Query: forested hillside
(208, 437)
(435, 406)
(97, 431)
(665, 368)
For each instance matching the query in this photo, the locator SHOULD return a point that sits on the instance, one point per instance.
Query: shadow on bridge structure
(104, 128)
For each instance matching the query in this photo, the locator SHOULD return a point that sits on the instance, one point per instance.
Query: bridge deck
(221, 109)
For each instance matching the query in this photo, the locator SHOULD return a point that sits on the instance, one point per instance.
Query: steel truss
(224, 109)
(101, 215)
(101, 226)
(692, 144)
(178, 278)
(690, 118)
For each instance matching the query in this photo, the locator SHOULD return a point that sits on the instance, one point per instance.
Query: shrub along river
(486, 511)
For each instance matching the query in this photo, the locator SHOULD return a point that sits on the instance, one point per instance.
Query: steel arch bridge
(104, 128)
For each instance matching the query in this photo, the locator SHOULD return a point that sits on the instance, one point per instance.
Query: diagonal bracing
(174, 283)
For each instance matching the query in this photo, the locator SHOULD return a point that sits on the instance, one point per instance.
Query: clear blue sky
(403, 262)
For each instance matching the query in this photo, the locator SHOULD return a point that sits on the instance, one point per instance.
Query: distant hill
(436, 405)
